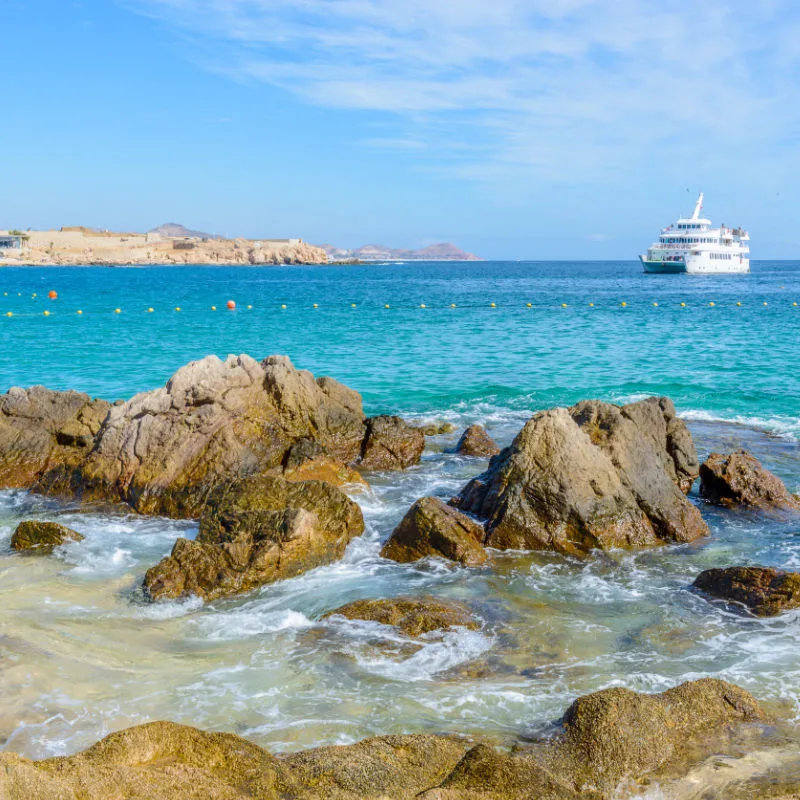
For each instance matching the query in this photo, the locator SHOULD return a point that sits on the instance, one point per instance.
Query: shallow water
(81, 655)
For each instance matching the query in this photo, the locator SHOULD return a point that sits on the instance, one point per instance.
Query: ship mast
(698, 208)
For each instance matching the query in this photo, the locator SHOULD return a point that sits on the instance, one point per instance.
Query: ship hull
(662, 267)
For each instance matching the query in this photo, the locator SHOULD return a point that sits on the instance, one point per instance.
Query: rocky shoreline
(259, 453)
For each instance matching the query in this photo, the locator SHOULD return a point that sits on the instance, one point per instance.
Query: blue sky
(514, 128)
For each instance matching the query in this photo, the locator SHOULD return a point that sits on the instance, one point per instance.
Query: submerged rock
(739, 479)
(437, 428)
(592, 476)
(42, 537)
(256, 531)
(475, 441)
(413, 616)
(431, 528)
(765, 591)
(608, 737)
(391, 443)
(165, 450)
(41, 429)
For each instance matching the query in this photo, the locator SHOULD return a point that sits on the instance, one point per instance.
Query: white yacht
(692, 245)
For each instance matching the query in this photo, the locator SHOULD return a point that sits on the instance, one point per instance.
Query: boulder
(475, 441)
(164, 451)
(431, 528)
(608, 738)
(766, 592)
(413, 616)
(256, 531)
(41, 429)
(391, 443)
(42, 537)
(738, 479)
(592, 476)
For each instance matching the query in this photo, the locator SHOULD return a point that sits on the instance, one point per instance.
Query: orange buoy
(52, 295)
(231, 305)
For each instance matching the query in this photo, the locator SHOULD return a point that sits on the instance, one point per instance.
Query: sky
(517, 129)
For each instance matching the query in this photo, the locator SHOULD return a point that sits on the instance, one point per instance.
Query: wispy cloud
(563, 89)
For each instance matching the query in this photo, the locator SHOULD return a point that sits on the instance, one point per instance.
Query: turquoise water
(731, 362)
(80, 654)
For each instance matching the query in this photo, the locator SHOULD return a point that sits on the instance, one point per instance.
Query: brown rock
(593, 476)
(41, 429)
(256, 531)
(437, 428)
(413, 616)
(431, 528)
(42, 537)
(739, 479)
(391, 443)
(475, 441)
(616, 734)
(766, 592)
(609, 737)
(164, 451)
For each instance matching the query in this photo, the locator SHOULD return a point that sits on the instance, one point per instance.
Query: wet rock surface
(739, 479)
(42, 537)
(413, 616)
(591, 476)
(432, 528)
(165, 450)
(475, 441)
(765, 591)
(256, 531)
(606, 738)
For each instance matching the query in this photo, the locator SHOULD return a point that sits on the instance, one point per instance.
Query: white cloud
(564, 89)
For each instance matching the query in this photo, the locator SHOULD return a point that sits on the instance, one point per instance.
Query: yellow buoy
(149, 310)
(738, 303)
(352, 305)
(213, 308)
(117, 310)
(794, 304)
(9, 314)
(315, 305)
(711, 303)
(177, 308)
(79, 311)
(386, 306)
(493, 305)
(46, 313)
(422, 305)
(683, 305)
(452, 305)
(33, 295)
(655, 305)
(623, 304)
(529, 305)
(591, 305)
(249, 308)
(283, 305)
(766, 303)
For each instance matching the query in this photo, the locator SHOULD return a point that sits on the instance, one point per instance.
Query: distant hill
(378, 252)
(171, 230)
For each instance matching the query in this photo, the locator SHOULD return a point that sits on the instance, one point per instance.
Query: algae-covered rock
(391, 443)
(592, 476)
(413, 616)
(41, 429)
(42, 537)
(739, 479)
(765, 591)
(432, 528)
(437, 428)
(256, 531)
(475, 441)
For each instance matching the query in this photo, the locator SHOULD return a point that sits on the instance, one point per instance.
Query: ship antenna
(698, 207)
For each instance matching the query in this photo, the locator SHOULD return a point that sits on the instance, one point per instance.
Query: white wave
(245, 622)
(785, 427)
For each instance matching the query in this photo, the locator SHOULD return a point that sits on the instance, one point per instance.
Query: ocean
(82, 656)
